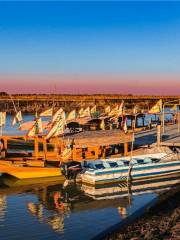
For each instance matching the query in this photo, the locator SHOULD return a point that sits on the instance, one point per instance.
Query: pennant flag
(174, 108)
(57, 129)
(17, 118)
(93, 109)
(114, 111)
(107, 109)
(102, 125)
(125, 125)
(66, 154)
(81, 112)
(157, 108)
(36, 128)
(120, 109)
(86, 112)
(47, 113)
(58, 115)
(2, 118)
(71, 115)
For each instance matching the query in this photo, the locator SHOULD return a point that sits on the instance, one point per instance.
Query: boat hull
(30, 172)
(137, 172)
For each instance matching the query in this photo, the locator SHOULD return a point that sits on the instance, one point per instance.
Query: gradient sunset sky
(90, 47)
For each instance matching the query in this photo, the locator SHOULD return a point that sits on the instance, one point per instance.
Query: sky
(90, 47)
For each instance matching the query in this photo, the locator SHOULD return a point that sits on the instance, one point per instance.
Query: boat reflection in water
(68, 210)
(137, 187)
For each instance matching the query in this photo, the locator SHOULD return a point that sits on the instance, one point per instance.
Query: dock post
(158, 135)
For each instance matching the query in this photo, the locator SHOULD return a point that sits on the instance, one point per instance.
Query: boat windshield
(113, 164)
(99, 166)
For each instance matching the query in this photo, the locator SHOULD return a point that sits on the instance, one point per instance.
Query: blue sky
(89, 37)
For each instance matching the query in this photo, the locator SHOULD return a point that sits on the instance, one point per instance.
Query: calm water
(9, 130)
(49, 211)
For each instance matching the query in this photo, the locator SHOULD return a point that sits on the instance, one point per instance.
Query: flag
(157, 108)
(120, 109)
(56, 129)
(114, 111)
(58, 115)
(17, 118)
(174, 107)
(2, 118)
(36, 128)
(125, 125)
(66, 153)
(86, 112)
(47, 113)
(107, 109)
(93, 109)
(102, 125)
(81, 112)
(71, 115)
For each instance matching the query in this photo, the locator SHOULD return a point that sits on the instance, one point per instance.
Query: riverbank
(160, 222)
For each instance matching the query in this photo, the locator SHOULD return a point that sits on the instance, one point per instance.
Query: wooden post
(158, 135)
(125, 149)
(36, 147)
(45, 148)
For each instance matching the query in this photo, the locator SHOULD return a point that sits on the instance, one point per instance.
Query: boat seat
(120, 163)
(113, 164)
(147, 160)
(106, 165)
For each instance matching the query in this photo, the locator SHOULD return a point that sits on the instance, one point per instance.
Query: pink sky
(77, 84)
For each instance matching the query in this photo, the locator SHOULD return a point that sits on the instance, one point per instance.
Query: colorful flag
(102, 125)
(93, 109)
(86, 112)
(71, 115)
(58, 115)
(174, 107)
(114, 111)
(36, 128)
(17, 118)
(56, 129)
(81, 112)
(2, 118)
(125, 125)
(47, 113)
(157, 108)
(66, 153)
(120, 109)
(107, 109)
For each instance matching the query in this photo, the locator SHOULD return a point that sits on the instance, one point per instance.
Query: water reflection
(69, 210)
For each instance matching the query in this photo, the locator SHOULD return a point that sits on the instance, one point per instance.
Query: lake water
(50, 211)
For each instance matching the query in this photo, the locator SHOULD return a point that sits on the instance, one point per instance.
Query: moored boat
(141, 167)
(21, 172)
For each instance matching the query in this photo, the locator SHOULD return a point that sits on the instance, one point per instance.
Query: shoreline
(161, 221)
